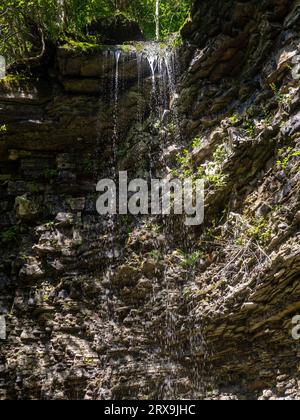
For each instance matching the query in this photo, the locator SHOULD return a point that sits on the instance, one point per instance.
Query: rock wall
(139, 308)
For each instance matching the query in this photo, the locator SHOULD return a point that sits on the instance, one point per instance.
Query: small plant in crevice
(3, 129)
(234, 120)
(220, 154)
(245, 121)
(50, 225)
(285, 157)
(266, 115)
(210, 172)
(260, 231)
(171, 128)
(197, 142)
(155, 255)
(9, 235)
(249, 126)
(185, 167)
(177, 41)
(88, 361)
(284, 99)
(190, 261)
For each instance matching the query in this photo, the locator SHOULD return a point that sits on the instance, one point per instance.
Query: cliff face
(124, 307)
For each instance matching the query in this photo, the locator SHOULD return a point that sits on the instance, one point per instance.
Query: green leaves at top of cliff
(28, 27)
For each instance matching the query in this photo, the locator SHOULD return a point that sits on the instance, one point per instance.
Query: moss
(14, 79)
(91, 48)
(234, 120)
(139, 46)
(126, 48)
(175, 41)
(186, 22)
(83, 47)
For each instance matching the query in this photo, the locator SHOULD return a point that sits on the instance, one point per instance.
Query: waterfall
(116, 104)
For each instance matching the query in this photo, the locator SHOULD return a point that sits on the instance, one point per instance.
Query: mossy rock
(13, 81)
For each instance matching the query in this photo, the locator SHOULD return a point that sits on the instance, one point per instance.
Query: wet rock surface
(127, 307)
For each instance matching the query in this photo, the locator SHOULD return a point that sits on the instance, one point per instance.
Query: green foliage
(3, 128)
(197, 142)
(249, 126)
(172, 15)
(260, 231)
(49, 225)
(155, 255)
(234, 119)
(176, 40)
(285, 157)
(185, 170)
(220, 154)
(28, 25)
(217, 180)
(88, 361)
(211, 172)
(190, 261)
(283, 99)
(155, 228)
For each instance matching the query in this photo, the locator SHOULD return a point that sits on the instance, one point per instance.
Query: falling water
(161, 63)
(152, 63)
(162, 68)
(116, 106)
